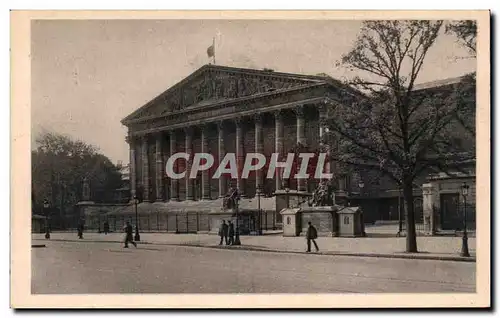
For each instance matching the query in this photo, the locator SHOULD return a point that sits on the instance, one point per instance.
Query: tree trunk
(411, 235)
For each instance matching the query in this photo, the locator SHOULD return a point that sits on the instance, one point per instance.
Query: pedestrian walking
(80, 231)
(129, 235)
(231, 233)
(106, 227)
(223, 232)
(311, 235)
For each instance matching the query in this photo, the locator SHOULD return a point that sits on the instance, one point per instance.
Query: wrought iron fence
(187, 222)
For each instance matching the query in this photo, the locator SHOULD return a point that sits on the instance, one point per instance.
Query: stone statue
(324, 195)
(86, 190)
(231, 88)
(229, 201)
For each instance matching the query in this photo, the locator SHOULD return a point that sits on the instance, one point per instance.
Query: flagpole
(213, 43)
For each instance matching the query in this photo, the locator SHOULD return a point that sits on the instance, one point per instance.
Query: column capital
(204, 127)
(299, 110)
(188, 130)
(144, 138)
(130, 139)
(238, 121)
(221, 124)
(258, 118)
(322, 107)
(158, 134)
(278, 114)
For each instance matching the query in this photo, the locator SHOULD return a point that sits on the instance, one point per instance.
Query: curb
(374, 255)
(247, 248)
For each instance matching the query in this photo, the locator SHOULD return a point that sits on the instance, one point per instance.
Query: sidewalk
(434, 248)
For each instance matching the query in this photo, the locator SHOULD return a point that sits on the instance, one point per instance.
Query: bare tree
(394, 129)
(465, 31)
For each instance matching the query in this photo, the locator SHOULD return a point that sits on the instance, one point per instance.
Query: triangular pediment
(212, 84)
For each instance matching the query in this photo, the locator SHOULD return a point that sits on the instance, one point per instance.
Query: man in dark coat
(80, 231)
(106, 227)
(311, 235)
(223, 232)
(231, 233)
(129, 235)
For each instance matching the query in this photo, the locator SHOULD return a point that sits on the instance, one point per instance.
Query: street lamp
(361, 186)
(237, 238)
(287, 191)
(400, 221)
(137, 237)
(259, 220)
(46, 207)
(465, 244)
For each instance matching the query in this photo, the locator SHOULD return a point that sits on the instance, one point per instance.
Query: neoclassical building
(220, 109)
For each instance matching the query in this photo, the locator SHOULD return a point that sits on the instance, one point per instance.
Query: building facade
(221, 110)
(218, 110)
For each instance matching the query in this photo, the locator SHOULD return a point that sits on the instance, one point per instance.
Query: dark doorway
(450, 213)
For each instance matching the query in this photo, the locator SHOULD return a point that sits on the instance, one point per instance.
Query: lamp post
(259, 220)
(46, 207)
(400, 221)
(137, 235)
(361, 186)
(465, 244)
(237, 237)
(287, 191)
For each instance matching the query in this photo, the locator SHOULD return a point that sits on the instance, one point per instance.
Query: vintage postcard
(250, 159)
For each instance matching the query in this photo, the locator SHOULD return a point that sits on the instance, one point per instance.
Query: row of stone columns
(205, 178)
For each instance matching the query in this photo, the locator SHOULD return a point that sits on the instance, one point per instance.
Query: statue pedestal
(324, 218)
(292, 199)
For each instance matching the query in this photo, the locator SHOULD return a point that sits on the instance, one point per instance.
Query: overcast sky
(88, 75)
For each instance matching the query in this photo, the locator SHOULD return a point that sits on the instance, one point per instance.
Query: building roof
(438, 83)
(202, 80)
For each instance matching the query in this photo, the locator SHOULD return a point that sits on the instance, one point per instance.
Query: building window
(346, 220)
(288, 220)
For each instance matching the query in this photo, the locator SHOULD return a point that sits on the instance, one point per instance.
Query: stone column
(222, 153)
(301, 138)
(133, 176)
(205, 177)
(173, 182)
(428, 208)
(145, 168)
(189, 150)
(240, 156)
(259, 148)
(324, 146)
(159, 167)
(278, 123)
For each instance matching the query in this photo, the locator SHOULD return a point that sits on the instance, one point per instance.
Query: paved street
(106, 267)
(389, 246)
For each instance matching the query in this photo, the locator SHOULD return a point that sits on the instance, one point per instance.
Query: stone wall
(154, 217)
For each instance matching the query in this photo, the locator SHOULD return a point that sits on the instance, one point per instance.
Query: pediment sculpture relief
(214, 86)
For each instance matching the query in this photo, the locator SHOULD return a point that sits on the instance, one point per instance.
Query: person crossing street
(311, 235)
(129, 235)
